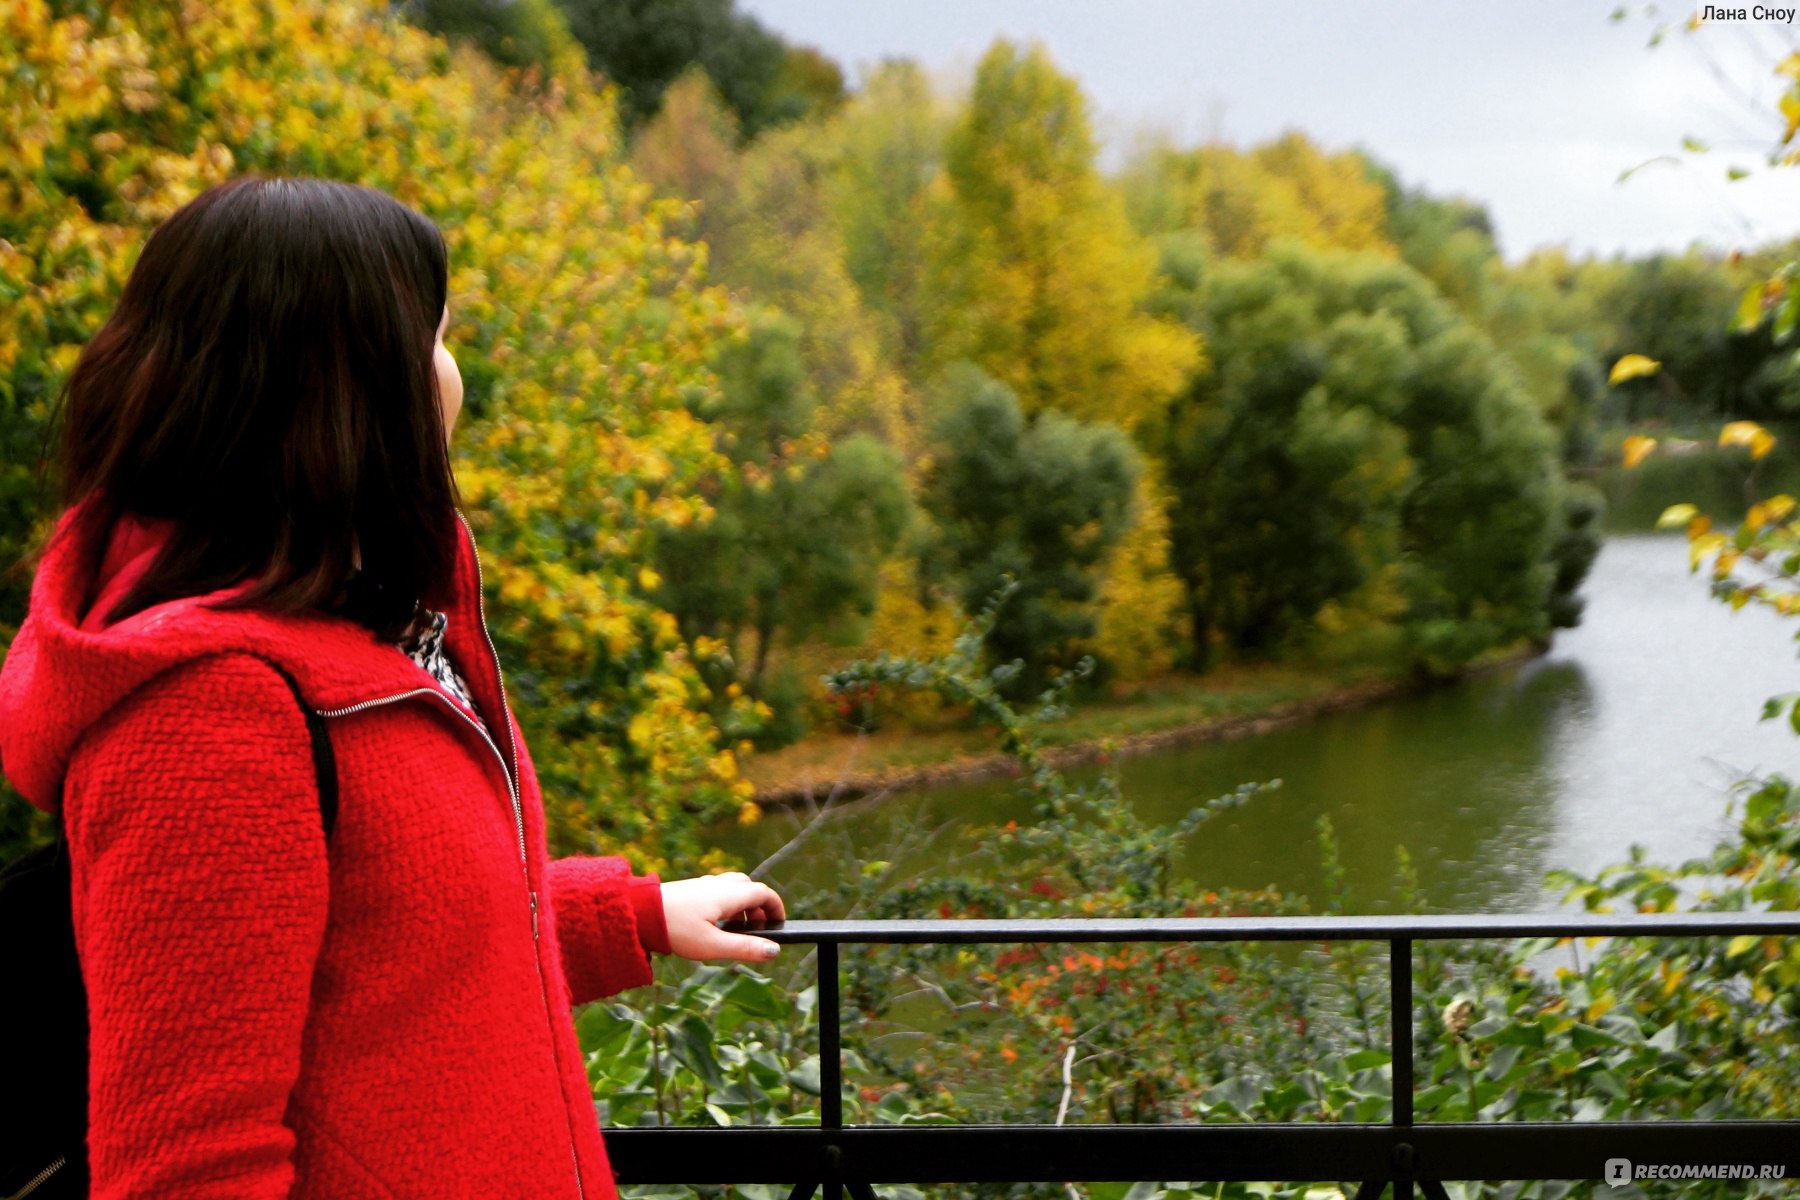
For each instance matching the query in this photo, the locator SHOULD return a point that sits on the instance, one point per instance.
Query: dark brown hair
(266, 382)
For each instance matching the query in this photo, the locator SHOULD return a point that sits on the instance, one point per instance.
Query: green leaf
(1694, 145)
(757, 996)
(1784, 319)
(806, 1076)
(691, 1042)
(1736, 173)
(1502, 1062)
(1241, 1095)
(1763, 806)
(1749, 310)
(1435, 1095)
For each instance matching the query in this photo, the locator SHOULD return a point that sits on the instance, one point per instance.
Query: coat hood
(65, 670)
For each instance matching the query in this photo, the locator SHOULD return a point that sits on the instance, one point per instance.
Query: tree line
(761, 370)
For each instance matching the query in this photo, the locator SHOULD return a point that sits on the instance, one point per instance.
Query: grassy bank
(1172, 711)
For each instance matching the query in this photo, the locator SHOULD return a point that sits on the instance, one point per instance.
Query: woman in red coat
(254, 456)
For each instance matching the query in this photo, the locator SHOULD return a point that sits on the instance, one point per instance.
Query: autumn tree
(514, 33)
(802, 524)
(890, 146)
(1043, 500)
(645, 45)
(1356, 444)
(581, 321)
(1239, 201)
(1034, 273)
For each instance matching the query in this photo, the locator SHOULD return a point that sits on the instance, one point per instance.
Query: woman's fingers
(744, 899)
(695, 907)
(750, 900)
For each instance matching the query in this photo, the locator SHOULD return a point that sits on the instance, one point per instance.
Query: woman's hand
(691, 906)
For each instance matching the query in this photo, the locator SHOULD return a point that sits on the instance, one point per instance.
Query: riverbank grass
(1224, 702)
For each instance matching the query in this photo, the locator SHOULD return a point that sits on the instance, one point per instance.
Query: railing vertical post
(831, 1062)
(1400, 1000)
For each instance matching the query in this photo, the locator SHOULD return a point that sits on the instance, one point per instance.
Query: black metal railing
(834, 1156)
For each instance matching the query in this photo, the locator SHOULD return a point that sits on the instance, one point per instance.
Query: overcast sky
(1533, 107)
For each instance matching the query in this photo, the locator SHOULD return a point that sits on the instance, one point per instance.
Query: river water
(1631, 730)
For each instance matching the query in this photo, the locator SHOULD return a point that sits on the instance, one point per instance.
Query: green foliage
(722, 1045)
(1682, 306)
(643, 45)
(514, 33)
(800, 525)
(1691, 1028)
(1429, 479)
(1042, 501)
(1576, 546)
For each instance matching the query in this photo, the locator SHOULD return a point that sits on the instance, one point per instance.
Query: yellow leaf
(1697, 527)
(1676, 515)
(724, 765)
(1757, 517)
(1778, 507)
(1790, 111)
(1701, 547)
(1742, 944)
(1747, 433)
(1637, 449)
(1674, 980)
(648, 579)
(1631, 367)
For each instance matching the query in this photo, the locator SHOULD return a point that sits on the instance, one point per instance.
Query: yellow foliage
(1034, 272)
(904, 623)
(1637, 448)
(1632, 366)
(1140, 598)
(582, 322)
(1242, 201)
(1747, 433)
(1676, 515)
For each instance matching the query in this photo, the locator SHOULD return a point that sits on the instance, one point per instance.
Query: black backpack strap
(324, 761)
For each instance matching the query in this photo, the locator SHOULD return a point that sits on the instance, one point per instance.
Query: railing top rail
(1416, 927)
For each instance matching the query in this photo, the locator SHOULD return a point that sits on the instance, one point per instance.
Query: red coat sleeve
(608, 922)
(200, 887)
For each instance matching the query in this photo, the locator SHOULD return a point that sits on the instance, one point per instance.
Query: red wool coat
(389, 1018)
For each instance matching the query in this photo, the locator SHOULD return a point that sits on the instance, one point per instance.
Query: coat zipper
(509, 770)
(37, 1180)
(511, 791)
